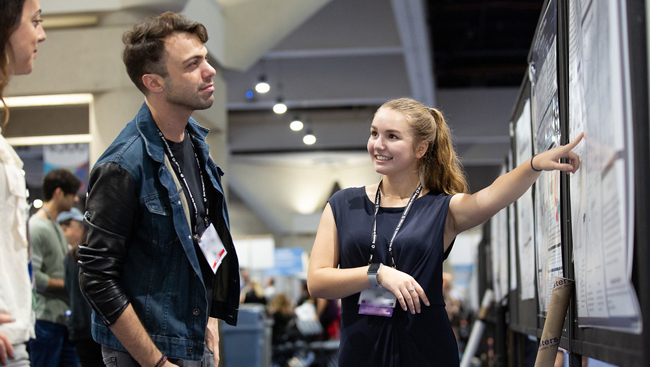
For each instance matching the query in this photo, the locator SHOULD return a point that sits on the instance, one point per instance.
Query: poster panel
(525, 210)
(602, 191)
(546, 132)
(499, 248)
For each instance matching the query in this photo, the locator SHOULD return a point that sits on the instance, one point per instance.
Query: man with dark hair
(52, 346)
(159, 266)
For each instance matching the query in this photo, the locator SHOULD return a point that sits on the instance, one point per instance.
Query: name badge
(377, 301)
(212, 248)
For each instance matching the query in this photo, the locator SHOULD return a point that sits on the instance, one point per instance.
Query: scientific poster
(499, 249)
(546, 132)
(602, 191)
(525, 209)
(512, 243)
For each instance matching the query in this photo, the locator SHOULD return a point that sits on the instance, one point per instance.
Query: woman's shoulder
(437, 197)
(348, 198)
(349, 192)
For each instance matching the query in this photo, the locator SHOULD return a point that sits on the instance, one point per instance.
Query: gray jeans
(117, 358)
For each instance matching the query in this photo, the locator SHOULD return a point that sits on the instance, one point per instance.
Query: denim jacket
(140, 250)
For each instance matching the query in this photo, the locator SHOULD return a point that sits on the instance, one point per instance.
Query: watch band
(373, 270)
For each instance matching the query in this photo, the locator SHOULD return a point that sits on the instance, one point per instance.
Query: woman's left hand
(550, 159)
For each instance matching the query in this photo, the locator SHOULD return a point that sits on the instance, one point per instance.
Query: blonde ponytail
(440, 169)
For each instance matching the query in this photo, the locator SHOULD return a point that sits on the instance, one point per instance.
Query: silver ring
(411, 288)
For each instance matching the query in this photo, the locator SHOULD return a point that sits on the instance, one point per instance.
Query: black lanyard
(187, 186)
(399, 225)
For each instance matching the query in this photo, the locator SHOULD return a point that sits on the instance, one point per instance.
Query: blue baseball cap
(73, 213)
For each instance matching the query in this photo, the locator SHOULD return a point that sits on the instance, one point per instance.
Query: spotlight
(309, 138)
(38, 203)
(279, 107)
(262, 86)
(296, 124)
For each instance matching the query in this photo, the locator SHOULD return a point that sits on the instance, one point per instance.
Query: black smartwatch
(373, 270)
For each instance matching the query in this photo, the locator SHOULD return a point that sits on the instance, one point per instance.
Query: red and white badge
(212, 248)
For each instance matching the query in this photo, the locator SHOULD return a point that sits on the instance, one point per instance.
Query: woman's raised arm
(467, 211)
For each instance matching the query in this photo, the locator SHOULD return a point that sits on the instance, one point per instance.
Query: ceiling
(332, 70)
(467, 58)
(481, 43)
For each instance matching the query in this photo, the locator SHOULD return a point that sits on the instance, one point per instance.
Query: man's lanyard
(187, 186)
(399, 225)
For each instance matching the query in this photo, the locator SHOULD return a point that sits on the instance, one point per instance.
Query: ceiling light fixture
(262, 86)
(49, 100)
(309, 138)
(296, 124)
(279, 107)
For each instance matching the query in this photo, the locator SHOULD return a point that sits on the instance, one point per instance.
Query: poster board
(546, 135)
(619, 341)
(523, 305)
(603, 190)
(499, 252)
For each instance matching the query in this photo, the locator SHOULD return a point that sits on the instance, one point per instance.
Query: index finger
(5, 317)
(575, 141)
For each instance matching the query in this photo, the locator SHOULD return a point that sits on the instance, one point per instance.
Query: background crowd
(300, 320)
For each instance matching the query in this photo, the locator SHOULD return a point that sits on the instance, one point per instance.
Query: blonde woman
(380, 247)
(281, 311)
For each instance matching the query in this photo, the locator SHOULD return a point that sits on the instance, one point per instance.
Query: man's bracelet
(533, 167)
(161, 361)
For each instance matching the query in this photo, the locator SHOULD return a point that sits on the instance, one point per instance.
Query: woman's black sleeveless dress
(403, 340)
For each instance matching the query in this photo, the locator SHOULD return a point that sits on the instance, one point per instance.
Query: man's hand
(6, 349)
(212, 338)
(129, 331)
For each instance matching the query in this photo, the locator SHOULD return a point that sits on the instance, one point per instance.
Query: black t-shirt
(184, 153)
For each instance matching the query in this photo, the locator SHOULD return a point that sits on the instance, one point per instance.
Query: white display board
(525, 210)
(255, 253)
(546, 133)
(499, 251)
(602, 191)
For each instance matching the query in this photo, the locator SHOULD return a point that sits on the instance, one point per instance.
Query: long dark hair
(440, 168)
(11, 12)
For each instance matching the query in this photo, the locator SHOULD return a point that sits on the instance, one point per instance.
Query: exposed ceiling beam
(314, 103)
(337, 52)
(411, 23)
